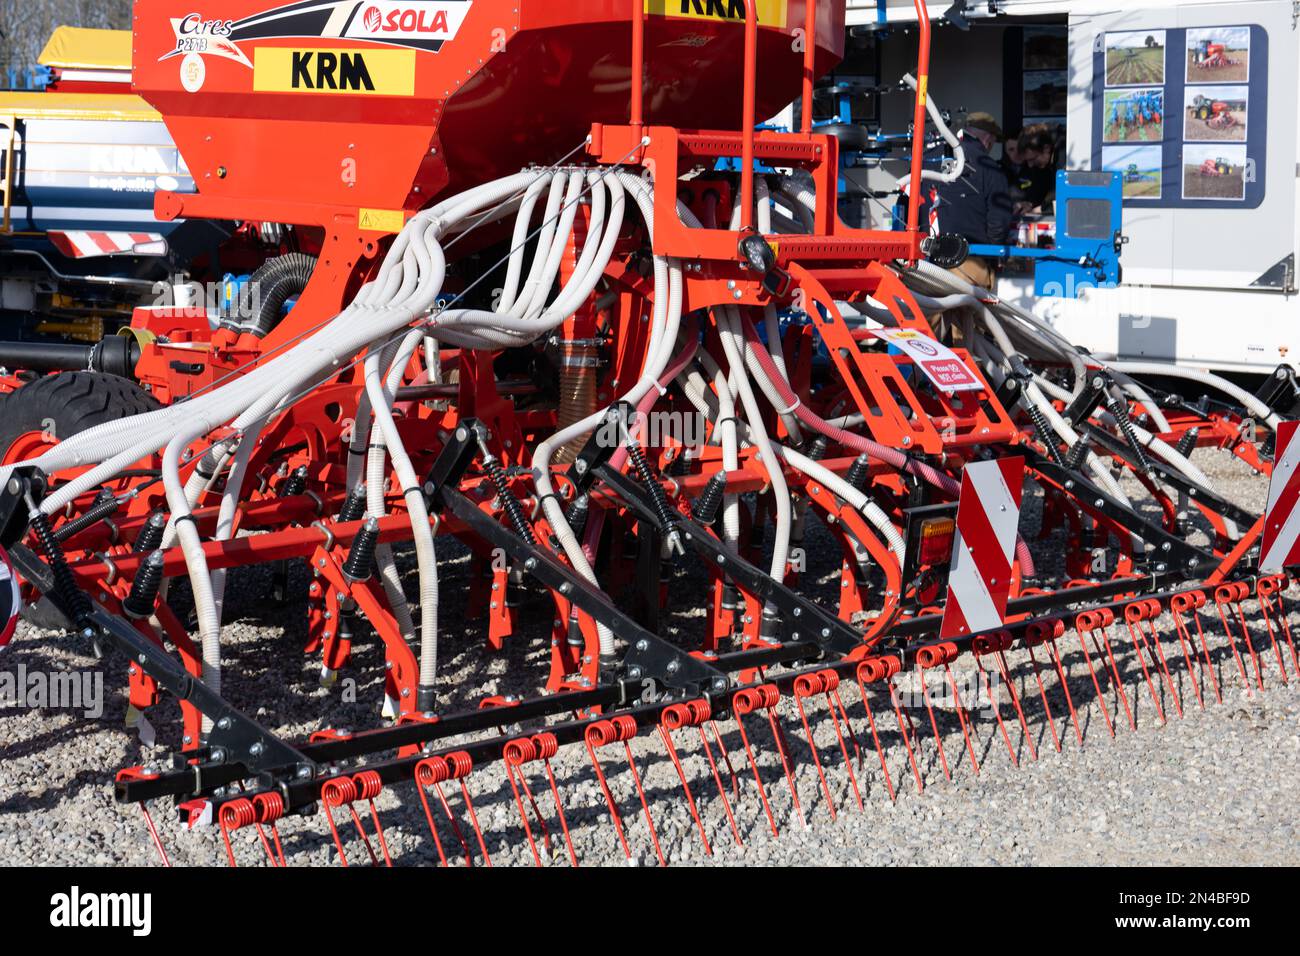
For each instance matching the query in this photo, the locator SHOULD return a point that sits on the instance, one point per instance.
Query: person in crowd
(977, 205)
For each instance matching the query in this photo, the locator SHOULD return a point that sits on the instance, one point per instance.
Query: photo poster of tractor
(1141, 169)
(1182, 136)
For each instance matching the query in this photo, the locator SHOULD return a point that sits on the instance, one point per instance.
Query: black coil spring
(106, 505)
(818, 447)
(296, 483)
(577, 514)
(514, 510)
(1045, 433)
(74, 600)
(361, 556)
(151, 534)
(144, 589)
(1187, 444)
(706, 507)
(859, 472)
(354, 505)
(667, 517)
(1078, 452)
(1120, 412)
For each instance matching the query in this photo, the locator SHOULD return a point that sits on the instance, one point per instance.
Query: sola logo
(413, 22)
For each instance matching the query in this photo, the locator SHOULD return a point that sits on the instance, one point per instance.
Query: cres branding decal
(416, 24)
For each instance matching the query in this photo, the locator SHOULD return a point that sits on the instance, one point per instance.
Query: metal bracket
(236, 739)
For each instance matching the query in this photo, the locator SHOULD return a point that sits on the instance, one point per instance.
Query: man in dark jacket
(978, 203)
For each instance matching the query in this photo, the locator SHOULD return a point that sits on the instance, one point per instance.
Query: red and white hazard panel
(80, 244)
(979, 578)
(1279, 547)
(10, 599)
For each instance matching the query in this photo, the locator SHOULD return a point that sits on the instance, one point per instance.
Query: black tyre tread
(75, 401)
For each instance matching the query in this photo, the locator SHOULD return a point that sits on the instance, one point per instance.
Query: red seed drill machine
(528, 316)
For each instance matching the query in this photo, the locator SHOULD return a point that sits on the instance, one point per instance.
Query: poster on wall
(1218, 55)
(1134, 115)
(1216, 114)
(1176, 115)
(1045, 48)
(1140, 168)
(1135, 59)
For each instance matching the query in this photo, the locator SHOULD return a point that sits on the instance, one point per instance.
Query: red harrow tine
(1234, 594)
(1266, 588)
(695, 714)
(525, 750)
(941, 655)
(1141, 652)
(345, 791)
(433, 772)
(992, 645)
(746, 702)
(810, 685)
(264, 808)
(1189, 602)
(868, 672)
(1082, 626)
(1035, 635)
(620, 729)
(138, 773)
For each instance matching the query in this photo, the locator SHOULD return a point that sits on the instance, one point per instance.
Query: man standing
(977, 205)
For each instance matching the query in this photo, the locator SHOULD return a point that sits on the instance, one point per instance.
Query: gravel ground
(1216, 787)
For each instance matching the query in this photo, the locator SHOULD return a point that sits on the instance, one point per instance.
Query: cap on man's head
(984, 122)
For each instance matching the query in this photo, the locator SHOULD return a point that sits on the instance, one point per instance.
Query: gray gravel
(1216, 787)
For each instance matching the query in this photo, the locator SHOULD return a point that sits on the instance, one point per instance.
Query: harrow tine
(686, 787)
(1101, 698)
(1000, 656)
(1233, 594)
(746, 702)
(903, 725)
(831, 683)
(1106, 620)
(1188, 656)
(726, 756)
(1139, 646)
(787, 756)
(345, 791)
(983, 645)
(433, 772)
(807, 685)
(717, 777)
(1190, 602)
(1042, 692)
(869, 672)
(138, 773)
(524, 750)
(1265, 589)
(615, 730)
(934, 724)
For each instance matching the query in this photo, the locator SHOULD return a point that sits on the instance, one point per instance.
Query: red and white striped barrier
(80, 244)
(979, 579)
(1280, 546)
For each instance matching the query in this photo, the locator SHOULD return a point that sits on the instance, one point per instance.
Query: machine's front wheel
(54, 407)
(37, 416)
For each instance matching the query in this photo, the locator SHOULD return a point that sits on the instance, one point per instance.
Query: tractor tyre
(34, 417)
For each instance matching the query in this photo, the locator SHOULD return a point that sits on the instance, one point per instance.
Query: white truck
(1209, 269)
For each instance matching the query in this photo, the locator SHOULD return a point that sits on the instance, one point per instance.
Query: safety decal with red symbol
(1280, 547)
(940, 364)
(979, 578)
(10, 599)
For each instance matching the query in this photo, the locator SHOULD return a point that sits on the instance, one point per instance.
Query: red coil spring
(1040, 632)
(368, 784)
(339, 792)
(830, 680)
(459, 764)
(692, 713)
(936, 654)
(432, 770)
(269, 806)
(1231, 593)
(750, 699)
(547, 745)
(1188, 601)
(238, 813)
(1271, 584)
(809, 685)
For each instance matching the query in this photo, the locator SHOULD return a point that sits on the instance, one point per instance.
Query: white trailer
(1209, 282)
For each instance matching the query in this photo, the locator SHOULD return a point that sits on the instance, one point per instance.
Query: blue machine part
(28, 79)
(1089, 223)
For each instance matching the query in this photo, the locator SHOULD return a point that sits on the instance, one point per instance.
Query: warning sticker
(381, 220)
(941, 365)
(771, 13)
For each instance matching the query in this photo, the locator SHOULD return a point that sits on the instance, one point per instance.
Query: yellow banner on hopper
(366, 72)
(771, 13)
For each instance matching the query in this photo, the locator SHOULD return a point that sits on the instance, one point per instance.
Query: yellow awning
(80, 106)
(81, 48)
